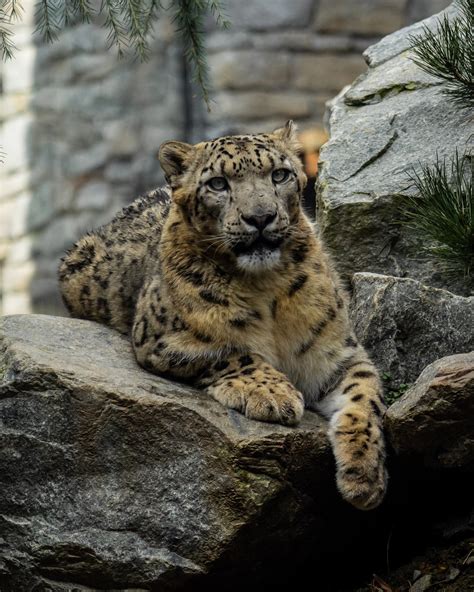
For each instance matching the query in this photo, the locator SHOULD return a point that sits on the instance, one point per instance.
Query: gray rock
(442, 395)
(263, 15)
(329, 72)
(391, 119)
(399, 42)
(112, 477)
(250, 69)
(254, 105)
(370, 17)
(293, 40)
(93, 196)
(406, 326)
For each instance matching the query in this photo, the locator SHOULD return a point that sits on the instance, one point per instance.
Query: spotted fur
(220, 280)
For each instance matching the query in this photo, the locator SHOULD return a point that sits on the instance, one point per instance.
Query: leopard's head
(240, 194)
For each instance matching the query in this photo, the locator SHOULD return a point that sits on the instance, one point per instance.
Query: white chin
(259, 260)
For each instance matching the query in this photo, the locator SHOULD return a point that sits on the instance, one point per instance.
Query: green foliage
(391, 394)
(442, 211)
(128, 24)
(10, 12)
(448, 53)
(188, 17)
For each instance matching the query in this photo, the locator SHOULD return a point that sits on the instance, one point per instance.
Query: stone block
(16, 277)
(367, 17)
(87, 161)
(13, 105)
(250, 69)
(42, 207)
(15, 303)
(264, 15)
(20, 250)
(15, 137)
(254, 105)
(325, 72)
(421, 9)
(14, 216)
(13, 184)
(18, 73)
(121, 136)
(94, 195)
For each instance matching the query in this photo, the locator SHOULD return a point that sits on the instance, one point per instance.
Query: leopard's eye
(218, 183)
(280, 175)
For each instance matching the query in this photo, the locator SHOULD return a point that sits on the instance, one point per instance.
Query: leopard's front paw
(278, 402)
(361, 487)
(359, 450)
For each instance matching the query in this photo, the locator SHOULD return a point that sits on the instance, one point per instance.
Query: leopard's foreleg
(355, 409)
(167, 345)
(249, 384)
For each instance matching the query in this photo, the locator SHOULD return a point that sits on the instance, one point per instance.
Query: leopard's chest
(308, 333)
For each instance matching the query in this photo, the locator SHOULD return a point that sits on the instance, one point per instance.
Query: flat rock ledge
(113, 478)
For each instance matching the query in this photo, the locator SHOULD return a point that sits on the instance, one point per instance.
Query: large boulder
(113, 478)
(406, 325)
(443, 394)
(392, 118)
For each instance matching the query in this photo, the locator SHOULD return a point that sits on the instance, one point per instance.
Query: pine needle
(48, 19)
(448, 53)
(116, 30)
(128, 24)
(442, 211)
(10, 11)
(189, 23)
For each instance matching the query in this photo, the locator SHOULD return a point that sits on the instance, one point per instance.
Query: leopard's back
(100, 277)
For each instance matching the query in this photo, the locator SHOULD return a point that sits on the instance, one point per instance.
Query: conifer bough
(441, 210)
(448, 53)
(128, 24)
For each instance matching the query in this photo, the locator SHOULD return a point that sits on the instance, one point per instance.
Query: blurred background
(80, 129)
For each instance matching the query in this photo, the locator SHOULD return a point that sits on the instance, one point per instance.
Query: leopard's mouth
(260, 245)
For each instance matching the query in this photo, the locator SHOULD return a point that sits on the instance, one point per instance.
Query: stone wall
(80, 130)
(284, 59)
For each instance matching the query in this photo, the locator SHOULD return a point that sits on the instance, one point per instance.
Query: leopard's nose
(259, 221)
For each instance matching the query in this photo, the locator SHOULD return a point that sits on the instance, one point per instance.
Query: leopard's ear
(173, 158)
(288, 134)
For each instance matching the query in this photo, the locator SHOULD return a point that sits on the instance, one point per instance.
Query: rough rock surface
(443, 394)
(392, 118)
(113, 478)
(406, 325)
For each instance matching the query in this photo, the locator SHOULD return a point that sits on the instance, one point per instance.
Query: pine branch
(128, 23)
(217, 11)
(48, 19)
(448, 53)
(151, 15)
(77, 10)
(10, 11)
(189, 19)
(442, 211)
(134, 17)
(117, 32)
